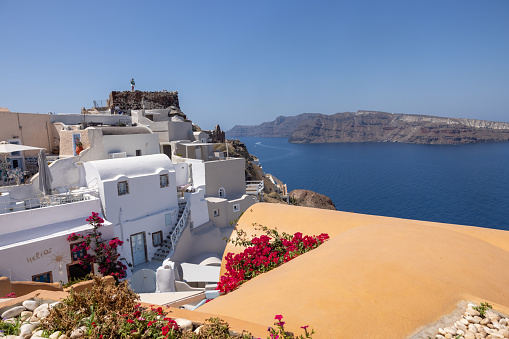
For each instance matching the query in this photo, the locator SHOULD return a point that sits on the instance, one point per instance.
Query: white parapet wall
(32, 218)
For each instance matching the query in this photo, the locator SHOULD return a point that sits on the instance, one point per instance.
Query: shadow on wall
(195, 243)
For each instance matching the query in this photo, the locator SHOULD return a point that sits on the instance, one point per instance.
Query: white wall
(180, 130)
(41, 256)
(27, 219)
(76, 119)
(145, 196)
(182, 173)
(199, 209)
(198, 171)
(194, 243)
(228, 174)
(129, 143)
(226, 214)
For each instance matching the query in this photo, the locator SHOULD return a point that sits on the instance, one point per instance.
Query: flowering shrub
(263, 254)
(148, 324)
(105, 251)
(109, 311)
(280, 333)
(10, 295)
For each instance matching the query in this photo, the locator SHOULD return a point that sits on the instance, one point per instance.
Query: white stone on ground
(473, 326)
(184, 324)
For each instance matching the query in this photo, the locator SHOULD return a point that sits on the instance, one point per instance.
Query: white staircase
(170, 243)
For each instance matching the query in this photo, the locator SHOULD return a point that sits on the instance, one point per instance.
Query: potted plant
(79, 146)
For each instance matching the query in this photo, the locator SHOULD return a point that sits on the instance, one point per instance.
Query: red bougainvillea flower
(263, 254)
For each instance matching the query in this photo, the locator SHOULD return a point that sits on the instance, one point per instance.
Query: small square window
(43, 277)
(157, 238)
(76, 255)
(216, 212)
(138, 152)
(236, 207)
(163, 180)
(123, 187)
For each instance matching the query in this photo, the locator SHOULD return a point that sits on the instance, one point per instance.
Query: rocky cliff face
(368, 126)
(311, 199)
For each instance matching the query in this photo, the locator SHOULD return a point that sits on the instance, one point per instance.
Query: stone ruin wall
(128, 100)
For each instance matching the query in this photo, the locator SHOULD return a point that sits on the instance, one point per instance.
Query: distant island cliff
(372, 126)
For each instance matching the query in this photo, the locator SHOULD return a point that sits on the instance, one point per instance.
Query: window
(43, 277)
(216, 212)
(222, 192)
(138, 152)
(168, 220)
(76, 255)
(236, 207)
(74, 269)
(163, 180)
(157, 238)
(123, 187)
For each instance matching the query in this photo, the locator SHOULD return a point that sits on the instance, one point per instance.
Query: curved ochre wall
(377, 277)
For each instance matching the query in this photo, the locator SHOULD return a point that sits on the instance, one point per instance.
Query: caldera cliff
(370, 126)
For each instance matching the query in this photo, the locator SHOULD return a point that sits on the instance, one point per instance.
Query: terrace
(73, 195)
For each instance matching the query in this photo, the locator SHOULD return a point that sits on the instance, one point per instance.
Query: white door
(138, 248)
(198, 153)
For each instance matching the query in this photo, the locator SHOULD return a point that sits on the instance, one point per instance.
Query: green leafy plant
(12, 328)
(482, 308)
(77, 280)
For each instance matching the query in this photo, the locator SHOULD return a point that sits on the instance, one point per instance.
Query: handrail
(181, 225)
(11, 273)
(258, 183)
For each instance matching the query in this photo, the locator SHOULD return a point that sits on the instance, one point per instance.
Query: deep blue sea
(458, 184)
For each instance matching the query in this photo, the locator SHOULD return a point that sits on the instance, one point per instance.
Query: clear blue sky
(245, 62)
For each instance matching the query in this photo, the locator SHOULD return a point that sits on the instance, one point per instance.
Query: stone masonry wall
(127, 100)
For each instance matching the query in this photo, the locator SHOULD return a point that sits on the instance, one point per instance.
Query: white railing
(10, 275)
(181, 225)
(49, 200)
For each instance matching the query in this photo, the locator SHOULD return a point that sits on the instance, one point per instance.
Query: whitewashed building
(139, 197)
(33, 236)
(160, 209)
